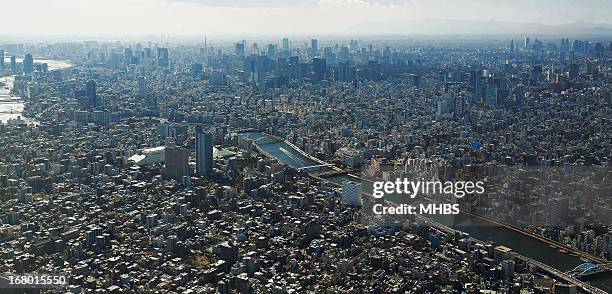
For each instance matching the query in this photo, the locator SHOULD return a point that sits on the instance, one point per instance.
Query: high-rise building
(519, 94)
(286, 43)
(162, 57)
(90, 93)
(328, 53)
(1, 59)
(346, 73)
(148, 53)
(302, 70)
(128, 55)
(442, 107)
(351, 193)
(204, 153)
(177, 163)
(345, 55)
(142, 91)
(314, 47)
(526, 45)
(13, 64)
(342, 69)
(205, 55)
(557, 211)
(459, 107)
(501, 96)
(271, 50)
(28, 64)
(320, 67)
(239, 49)
(573, 70)
(197, 69)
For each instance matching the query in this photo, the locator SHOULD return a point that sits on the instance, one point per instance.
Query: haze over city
(121, 18)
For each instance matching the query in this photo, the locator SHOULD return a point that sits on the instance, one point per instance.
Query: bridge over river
(589, 269)
(536, 251)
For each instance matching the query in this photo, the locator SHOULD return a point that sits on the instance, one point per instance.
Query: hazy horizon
(125, 18)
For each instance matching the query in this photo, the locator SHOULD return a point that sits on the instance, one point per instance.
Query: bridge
(586, 256)
(588, 269)
(40, 115)
(331, 173)
(568, 277)
(292, 155)
(560, 275)
(265, 140)
(321, 162)
(585, 287)
(313, 168)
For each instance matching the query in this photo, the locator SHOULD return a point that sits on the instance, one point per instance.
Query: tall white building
(351, 193)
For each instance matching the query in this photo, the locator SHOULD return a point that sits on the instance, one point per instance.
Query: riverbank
(11, 107)
(532, 248)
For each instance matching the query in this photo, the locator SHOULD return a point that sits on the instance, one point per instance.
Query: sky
(291, 17)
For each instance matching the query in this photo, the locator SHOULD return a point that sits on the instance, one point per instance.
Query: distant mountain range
(469, 27)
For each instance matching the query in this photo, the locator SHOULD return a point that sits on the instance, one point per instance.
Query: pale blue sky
(198, 17)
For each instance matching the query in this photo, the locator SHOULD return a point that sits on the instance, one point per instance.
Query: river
(522, 244)
(11, 107)
(281, 150)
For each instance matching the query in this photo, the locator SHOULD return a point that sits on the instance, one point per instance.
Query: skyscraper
(285, 43)
(90, 92)
(1, 59)
(128, 56)
(314, 48)
(141, 87)
(342, 71)
(573, 70)
(205, 51)
(13, 64)
(177, 163)
(320, 67)
(346, 73)
(271, 50)
(162, 57)
(204, 153)
(239, 49)
(28, 64)
(345, 55)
